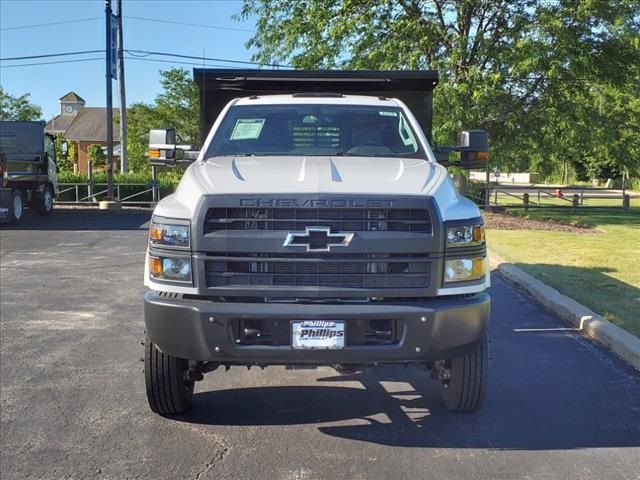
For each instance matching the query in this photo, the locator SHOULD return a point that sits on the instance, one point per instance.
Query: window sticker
(247, 129)
(305, 136)
(405, 133)
(387, 113)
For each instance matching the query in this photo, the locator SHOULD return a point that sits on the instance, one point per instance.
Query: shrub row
(167, 185)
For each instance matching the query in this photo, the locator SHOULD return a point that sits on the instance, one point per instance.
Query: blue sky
(47, 83)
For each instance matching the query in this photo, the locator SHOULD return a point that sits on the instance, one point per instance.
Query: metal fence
(504, 197)
(142, 194)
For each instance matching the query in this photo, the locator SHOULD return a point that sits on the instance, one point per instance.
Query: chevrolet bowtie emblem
(318, 239)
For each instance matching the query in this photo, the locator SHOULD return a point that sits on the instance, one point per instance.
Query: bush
(633, 184)
(476, 192)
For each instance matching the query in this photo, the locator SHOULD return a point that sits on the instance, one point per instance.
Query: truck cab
(315, 227)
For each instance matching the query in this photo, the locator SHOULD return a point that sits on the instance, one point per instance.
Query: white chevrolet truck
(315, 227)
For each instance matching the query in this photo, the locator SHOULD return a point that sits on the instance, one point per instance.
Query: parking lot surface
(73, 402)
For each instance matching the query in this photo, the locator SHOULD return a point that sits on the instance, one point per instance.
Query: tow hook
(441, 372)
(194, 372)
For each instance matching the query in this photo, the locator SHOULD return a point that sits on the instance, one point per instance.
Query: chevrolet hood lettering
(318, 239)
(314, 203)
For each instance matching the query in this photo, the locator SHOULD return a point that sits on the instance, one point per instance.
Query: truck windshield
(315, 130)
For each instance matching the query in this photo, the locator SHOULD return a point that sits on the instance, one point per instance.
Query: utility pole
(124, 163)
(108, 57)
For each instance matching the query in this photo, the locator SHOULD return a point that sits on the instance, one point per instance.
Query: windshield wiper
(234, 155)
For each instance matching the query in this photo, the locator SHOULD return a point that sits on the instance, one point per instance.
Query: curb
(589, 323)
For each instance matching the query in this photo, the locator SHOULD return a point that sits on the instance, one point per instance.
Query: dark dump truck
(27, 169)
(315, 227)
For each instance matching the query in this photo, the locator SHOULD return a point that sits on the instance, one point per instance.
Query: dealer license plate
(317, 334)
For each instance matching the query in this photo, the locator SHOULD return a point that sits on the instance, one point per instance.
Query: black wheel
(168, 392)
(45, 201)
(465, 390)
(17, 206)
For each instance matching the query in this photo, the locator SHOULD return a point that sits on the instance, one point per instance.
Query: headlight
(464, 269)
(166, 233)
(465, 235)
(172, 269)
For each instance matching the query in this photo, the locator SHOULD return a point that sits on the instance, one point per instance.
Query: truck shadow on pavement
(397, 406)
(83, 219)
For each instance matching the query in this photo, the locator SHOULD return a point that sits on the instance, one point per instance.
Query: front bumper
(202, 329)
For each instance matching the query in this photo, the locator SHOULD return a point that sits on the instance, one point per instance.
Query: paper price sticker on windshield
(247, 129)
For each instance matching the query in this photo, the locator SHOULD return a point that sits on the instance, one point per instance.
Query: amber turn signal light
(155, 266)
(156, 232)
(478, 233)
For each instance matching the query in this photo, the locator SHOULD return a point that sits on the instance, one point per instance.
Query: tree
(179, 104)
(178, 107)
(72, 155)
(96, 156)
(522, 70)
(65, 160)
(140, 119)
(18, 108)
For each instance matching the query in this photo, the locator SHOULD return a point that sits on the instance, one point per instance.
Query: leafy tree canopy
(555, 82)
(18, 108)
(178, 107)
(96, 155)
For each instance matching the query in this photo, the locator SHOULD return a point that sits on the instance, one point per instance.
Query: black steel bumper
(431, 330)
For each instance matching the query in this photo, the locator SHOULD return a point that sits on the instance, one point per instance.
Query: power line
(52, 63)
(177, 62)
(49, 55)
(144, 19)
(200, 25)
(20, 27)
(147, 53)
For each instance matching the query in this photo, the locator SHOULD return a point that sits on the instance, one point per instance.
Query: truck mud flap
(5, 205)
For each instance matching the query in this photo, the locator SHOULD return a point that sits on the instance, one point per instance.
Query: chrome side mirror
(163, 151)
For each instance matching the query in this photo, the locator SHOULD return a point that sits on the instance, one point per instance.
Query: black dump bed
(22, 141)
(22, 152)
(219, 86)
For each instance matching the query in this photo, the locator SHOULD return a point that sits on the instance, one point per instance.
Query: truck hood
(278, 174)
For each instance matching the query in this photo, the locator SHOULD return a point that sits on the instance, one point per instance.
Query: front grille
(338, 219)
(370, 271)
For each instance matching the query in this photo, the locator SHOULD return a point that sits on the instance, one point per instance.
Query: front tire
(17, 206)
(465, 390)
(168, 390)
(45, 201)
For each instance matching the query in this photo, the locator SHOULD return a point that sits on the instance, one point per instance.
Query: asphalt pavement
(73, 403)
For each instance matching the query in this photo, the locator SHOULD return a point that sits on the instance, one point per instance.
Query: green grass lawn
(600, 270)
